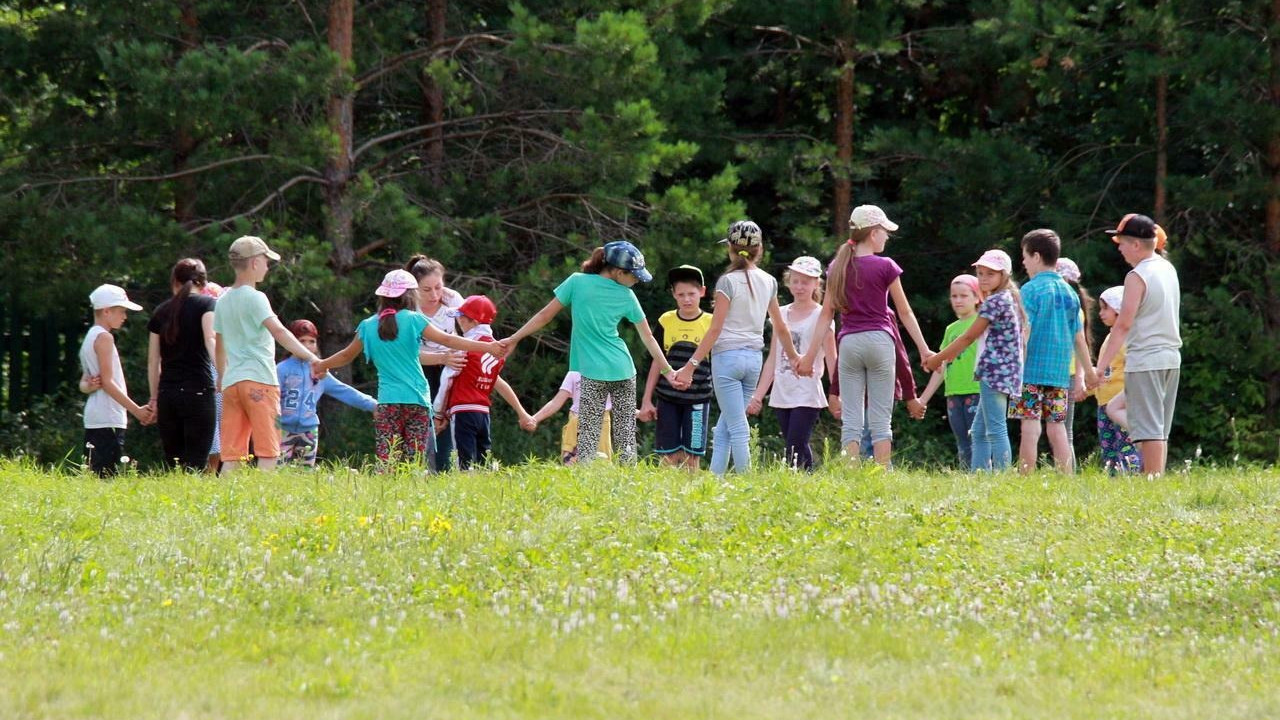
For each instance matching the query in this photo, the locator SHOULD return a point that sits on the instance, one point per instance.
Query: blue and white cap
(623, 255)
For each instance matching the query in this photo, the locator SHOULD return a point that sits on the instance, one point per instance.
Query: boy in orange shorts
(247, 330)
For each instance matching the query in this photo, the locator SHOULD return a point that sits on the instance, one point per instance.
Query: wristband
(665, 370)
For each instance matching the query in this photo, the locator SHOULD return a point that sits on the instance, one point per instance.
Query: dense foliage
(507, 139)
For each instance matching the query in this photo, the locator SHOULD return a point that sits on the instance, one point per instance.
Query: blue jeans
(991, 430)
(470, 437)
(734, 374)
(961, 410)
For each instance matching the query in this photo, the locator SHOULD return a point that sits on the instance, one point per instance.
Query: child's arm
(342, 358)
(552, 407)
(535, 323)
(441, 401)
(90, 384)
(448, 359)
(908, 318)
(821, 332)
(655, 351)
(756, 402)
(719, 314)
(344, 393)
(288, 341)
(833, 375)
(104, 348)
(1083, 362)
(508, 393)
(440, 337)
(783, 334)
(153, 369)
(1135, 289)
(935, 382)
(647, 410)
(219, 359)
(935, 362)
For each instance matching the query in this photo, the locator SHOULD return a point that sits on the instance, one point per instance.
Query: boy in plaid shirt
(1053, 313)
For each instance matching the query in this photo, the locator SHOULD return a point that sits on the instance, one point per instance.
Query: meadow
(537, 591)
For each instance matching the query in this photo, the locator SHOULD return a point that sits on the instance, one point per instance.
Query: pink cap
(997, 260)
(396, 283)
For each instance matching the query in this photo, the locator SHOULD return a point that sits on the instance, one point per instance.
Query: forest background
(507, 139)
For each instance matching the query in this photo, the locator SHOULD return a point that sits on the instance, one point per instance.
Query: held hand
(648, 412)
(508, 346)
(803, 366)
(834, 406)
(926, 354)
(145, 415)
(1091, 379)
(682, 378)
(932, 363)
(528, 424)
(90, 383)
(458, 359)
(754, 405)
(440, 422)
(915, 409)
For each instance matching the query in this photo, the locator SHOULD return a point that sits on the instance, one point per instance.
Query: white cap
(865, 216)
(109, 296)
(1113, 297)
(998, 260)
(396, 283)
(806, 265)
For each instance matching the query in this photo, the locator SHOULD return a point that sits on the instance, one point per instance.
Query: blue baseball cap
(625, 256)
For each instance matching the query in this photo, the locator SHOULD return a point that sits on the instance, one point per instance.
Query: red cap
(478, 308)
(303, 328)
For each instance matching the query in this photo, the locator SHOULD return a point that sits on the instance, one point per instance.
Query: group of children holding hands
(1011, 354)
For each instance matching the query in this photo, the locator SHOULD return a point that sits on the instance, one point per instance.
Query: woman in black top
(179, 369)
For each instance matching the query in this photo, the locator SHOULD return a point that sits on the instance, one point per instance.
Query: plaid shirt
(1053, 312)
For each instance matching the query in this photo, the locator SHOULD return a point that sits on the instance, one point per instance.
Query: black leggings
(797, 426)
(186, 419)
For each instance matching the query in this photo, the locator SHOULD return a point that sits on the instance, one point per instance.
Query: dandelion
(439, 525)
(167, 602)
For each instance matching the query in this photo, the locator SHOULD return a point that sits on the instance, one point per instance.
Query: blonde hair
(817, 289)
(843, 265)
(1009, 284)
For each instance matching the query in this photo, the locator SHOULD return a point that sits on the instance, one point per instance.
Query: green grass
(541, 592)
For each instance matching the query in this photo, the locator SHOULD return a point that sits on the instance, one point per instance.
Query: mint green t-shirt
(598, 304)
(959, 377)
(400, 378)
(238, 317)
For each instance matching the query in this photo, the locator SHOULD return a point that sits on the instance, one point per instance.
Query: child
(1067, 268)
(861, 283)
(998, 330)
(1053, 314)
(299, 395)
(390, 339)
(599, 298)
(462, 403)
(682, 415)
(1148, 330)
(570, 389)
(246, 332)
(1118, 452)
(179, 368)
(214, 290)
(961, 390)
(745, 294)
(104, 410)
(798, 401)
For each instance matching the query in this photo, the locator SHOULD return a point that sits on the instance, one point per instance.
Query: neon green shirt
(959, 377)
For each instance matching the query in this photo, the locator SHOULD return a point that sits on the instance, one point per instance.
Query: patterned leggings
(591, 398)
(1119, 456)
(405, 429)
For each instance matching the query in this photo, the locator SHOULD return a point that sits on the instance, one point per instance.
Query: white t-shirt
(444, 321)
(748, 307)
(101, 410)
(790, 390)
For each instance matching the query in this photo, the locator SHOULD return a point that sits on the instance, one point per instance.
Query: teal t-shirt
(597, 305)
(400, 378)
(238, 317)
(959, 376)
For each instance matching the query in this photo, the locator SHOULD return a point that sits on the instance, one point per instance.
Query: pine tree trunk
(433, 97)
(184, 143)
(1272, 227)
(1162, 148)
(338, 322)
(844, 141)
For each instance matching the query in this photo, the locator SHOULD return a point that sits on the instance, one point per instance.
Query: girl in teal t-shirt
(961, 388)
(389, 339)
(599, 298)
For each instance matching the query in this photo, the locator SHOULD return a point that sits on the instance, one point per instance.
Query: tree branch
(266, 201)
(151, 178)
(454, 44)
(374, 142)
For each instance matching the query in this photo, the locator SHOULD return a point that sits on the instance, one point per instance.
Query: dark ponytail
(190, 275)
(388, 327)
(595, 264)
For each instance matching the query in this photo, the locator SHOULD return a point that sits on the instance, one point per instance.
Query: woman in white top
(745, 294)
(798, 401)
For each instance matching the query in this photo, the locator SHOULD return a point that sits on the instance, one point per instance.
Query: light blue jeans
(991, 430)
(734, 374)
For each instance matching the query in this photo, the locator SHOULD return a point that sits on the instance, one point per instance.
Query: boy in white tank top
(107, 410)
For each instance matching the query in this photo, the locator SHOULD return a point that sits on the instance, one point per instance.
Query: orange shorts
(250, 409)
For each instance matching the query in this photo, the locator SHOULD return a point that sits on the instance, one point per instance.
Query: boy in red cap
(299, 395)
(462, 402)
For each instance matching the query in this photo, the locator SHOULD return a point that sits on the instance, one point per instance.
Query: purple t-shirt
(866, 289)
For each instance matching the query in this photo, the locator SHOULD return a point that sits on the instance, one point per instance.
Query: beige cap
(249, 247)
(865, 216)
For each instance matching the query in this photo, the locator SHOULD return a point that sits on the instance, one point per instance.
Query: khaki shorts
(1151, 395)
(569, 439)
(250, 409)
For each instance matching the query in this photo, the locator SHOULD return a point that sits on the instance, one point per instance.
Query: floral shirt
(1000, 347)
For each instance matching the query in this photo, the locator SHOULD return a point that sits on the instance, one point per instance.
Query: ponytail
(743, 258)
(190, 275)
(843, 265)
(595, 264)
(1087, 304)
(388, 326)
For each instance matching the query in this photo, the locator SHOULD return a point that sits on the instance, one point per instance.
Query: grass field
(540, 592)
